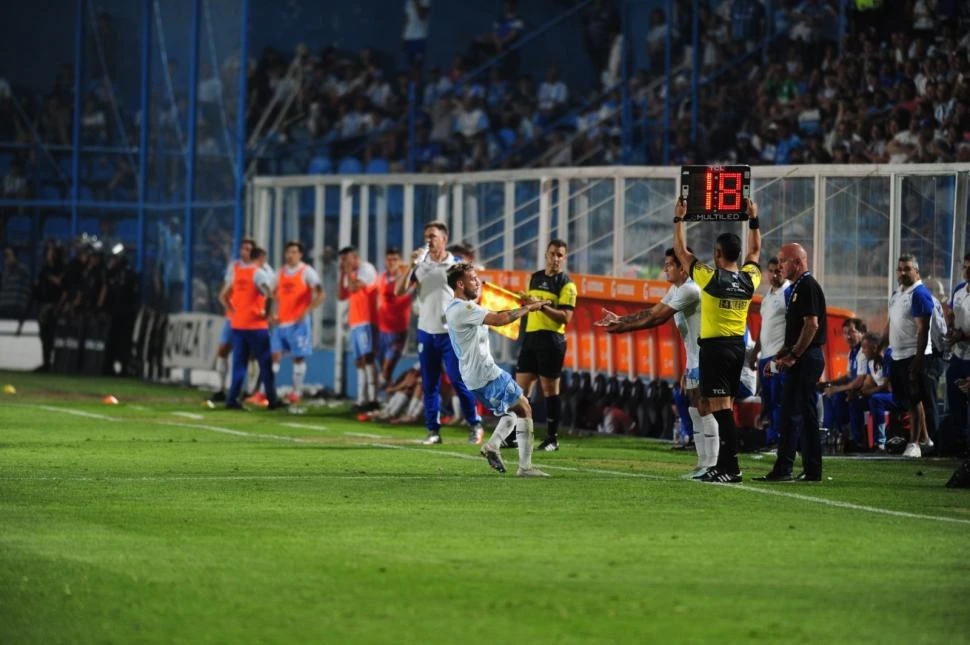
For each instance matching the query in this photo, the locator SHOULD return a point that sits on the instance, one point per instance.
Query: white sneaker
(928, 445)
(531, 472)
(476, 435)
(912, 451)
(697, 472)
(432, 439)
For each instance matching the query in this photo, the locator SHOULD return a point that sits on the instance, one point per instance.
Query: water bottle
(424, 252)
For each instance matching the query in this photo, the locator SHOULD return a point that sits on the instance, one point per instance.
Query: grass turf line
(136, 531)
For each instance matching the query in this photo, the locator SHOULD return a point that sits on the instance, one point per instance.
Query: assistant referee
(544, 345)
(726, 292)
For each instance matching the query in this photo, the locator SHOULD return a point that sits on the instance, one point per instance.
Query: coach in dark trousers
(801, 357)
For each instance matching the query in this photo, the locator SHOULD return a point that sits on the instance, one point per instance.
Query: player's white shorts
(692, 378)
(500, 394)
(294, 339)
(362, 340)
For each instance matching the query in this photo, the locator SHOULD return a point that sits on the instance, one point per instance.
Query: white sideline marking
(848, 505)
(189, 415)
(305, 426)
(460, 455)
(366, 435)
(238, 433)
(173, 478)
(77, 413)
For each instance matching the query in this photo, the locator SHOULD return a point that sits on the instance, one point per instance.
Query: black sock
(727, 456)
(553, 414)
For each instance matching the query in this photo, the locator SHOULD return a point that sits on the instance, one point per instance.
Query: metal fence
(854, 221)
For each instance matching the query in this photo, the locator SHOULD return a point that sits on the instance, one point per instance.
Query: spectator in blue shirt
(747, 22)
(787, 141)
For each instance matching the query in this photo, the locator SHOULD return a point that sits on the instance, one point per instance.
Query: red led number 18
(728, 191)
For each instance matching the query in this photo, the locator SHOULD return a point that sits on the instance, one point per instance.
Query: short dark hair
(909, 257)
(247, 240)
(670, 253)
(295, 243)
(773, 260)
(857, 323)
(257, 253)
(438, 224)
(730, 245)
(558, 243)
(456, 272)
(347, 249)
(392, 250)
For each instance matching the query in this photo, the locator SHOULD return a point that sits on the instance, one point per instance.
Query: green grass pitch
(158, 521)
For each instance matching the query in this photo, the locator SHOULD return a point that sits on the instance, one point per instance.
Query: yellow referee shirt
(725, 297)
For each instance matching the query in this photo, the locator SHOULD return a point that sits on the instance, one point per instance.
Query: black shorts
(908, 391)
(721, 360)
(542, 353)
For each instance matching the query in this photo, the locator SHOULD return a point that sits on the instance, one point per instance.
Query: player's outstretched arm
(652, 317)
(500, 318)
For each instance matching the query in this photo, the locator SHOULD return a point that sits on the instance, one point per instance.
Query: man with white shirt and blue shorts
(468, 331)
(682, 302)
(428, 270)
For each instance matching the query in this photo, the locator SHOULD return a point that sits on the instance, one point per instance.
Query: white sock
(361, 385)
(699, 443)
(416, 407)
(222, 367)
(712, 439)
(253, 377)
(505, 427)
(523, 434)
(395, 405)
(299, 373)
(371, 383)
(456, 409)
(276, 368)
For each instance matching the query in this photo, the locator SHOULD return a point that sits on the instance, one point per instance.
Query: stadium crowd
(774, 90)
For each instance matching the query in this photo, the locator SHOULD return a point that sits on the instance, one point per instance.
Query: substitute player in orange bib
(298, 292)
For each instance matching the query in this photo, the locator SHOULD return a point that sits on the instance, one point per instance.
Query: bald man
(801, 358)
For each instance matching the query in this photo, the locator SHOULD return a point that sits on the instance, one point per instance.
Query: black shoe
(774, 477)
(715, 476)
(961, 476)
(802, 477)
(493, 458)
(234, 406)
(219, 396)
(549, 444)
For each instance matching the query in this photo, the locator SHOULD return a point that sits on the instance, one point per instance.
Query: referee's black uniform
(799, 399)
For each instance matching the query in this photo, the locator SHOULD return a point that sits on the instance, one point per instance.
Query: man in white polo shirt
(908, 336)
(770, 341)
(429, 266)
